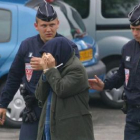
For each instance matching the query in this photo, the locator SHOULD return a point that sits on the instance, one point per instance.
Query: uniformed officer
(129, 75)
(23, 71)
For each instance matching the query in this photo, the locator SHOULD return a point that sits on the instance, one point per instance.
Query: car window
(5, 25)
(82, 6)
(73, 17)
(117, 8)
(78, 20)
(64, 27)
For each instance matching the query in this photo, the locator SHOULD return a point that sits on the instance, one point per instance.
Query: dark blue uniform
(19, 73)
(129, 75)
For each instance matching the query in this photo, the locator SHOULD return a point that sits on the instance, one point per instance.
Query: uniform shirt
(128, 73)
(21, 71)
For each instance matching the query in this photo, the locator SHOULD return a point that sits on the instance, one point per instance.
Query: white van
(107, 22)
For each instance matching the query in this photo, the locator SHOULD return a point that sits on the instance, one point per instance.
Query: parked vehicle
(107, 22)
(16, 24)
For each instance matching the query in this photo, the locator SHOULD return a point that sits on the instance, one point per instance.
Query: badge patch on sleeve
(126, 76)
(29, 71)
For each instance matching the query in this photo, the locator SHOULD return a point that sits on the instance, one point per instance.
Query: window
(74, 19)
(64, 27)
(82, 6)
(5, 25)
(117, 8)
(78, 20)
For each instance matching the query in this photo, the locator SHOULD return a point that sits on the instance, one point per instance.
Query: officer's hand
(36, 63)
(96, 83)
(2, 115)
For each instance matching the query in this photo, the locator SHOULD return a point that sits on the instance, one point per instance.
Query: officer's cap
(46, 12)
(134, 16)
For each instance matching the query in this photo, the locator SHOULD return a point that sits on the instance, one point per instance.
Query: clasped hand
(46, 62)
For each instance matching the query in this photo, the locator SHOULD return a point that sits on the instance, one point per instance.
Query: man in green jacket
(63, 94)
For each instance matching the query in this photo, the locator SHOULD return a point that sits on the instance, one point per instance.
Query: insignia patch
(28, 71)
(126, 76)
(127, 58)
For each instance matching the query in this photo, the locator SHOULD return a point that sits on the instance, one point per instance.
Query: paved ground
(108, 123)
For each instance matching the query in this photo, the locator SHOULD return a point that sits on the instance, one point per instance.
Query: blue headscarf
(60, 48)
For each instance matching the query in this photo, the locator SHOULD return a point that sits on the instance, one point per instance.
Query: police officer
(23, 70)
(129, 75)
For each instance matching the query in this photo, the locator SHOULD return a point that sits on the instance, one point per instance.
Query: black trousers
(132, 127)
(28, 130)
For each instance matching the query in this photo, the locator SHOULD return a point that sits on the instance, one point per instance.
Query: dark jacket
(70, 117)
(129, 69)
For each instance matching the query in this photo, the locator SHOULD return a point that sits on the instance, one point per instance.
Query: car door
(8, 34)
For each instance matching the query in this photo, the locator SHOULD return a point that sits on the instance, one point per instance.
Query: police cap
(46, 12)
(134, 16)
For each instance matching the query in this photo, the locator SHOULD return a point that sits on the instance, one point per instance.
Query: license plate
(86, 55)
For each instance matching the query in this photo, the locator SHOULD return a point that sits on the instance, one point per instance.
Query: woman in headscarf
(62, 92)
